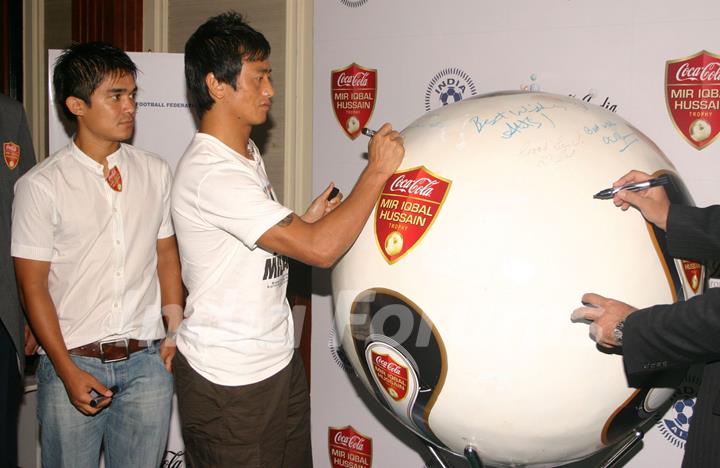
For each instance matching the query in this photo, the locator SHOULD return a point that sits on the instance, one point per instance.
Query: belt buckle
(123, 342)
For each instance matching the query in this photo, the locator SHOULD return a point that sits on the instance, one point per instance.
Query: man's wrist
(171, 335)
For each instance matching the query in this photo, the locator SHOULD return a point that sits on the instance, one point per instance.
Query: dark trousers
(10, 398)
(261, 425)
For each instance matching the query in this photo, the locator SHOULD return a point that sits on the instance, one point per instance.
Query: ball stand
(611, 461)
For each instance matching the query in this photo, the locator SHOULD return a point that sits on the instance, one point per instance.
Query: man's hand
(172, 316)
(604, 314)
(322, 206)
(168, 348)
(31, 344)
(78, 385)
(653, 203)
(385, 150)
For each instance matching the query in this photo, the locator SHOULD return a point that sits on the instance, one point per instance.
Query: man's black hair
(220, 46)
(82, 67)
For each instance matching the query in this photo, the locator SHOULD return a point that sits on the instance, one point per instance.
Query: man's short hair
(82, 67)
(220, 46)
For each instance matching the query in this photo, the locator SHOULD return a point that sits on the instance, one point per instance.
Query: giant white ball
(454, 303)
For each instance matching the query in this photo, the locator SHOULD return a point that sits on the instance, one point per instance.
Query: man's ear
(76, 105)
(216, 88)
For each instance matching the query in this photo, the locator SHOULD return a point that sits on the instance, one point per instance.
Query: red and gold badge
(693, 274)
(392, 376)
(408, 205)
(353, 89)
(348, 448)
(114, 179)
(692, 94)
(11, 154)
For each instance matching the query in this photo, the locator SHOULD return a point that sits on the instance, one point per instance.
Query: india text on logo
(447, 87)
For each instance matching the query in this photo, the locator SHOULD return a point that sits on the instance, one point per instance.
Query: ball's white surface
(517, 242)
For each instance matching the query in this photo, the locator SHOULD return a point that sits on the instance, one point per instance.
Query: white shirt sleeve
(33, 221)
(235, 201)
(166, 227)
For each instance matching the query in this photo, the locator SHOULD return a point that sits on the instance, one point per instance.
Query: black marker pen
(368, 132)
(608, 193)
(333, 193)
(100, 398)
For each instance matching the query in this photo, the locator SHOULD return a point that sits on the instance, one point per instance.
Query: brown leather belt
(111, 351)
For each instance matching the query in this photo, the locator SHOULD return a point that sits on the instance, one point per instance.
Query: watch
(618, 332)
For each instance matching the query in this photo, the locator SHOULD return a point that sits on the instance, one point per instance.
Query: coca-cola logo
(353, 90)
(422, 186)
(708, 72)
(349, 448)
(173, 459)
(353, 442)
(359, 79)
(388, 365)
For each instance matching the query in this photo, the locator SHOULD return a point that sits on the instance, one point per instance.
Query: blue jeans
(132, 430)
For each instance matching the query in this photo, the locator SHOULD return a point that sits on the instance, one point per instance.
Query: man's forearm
(171, 288)
(43, 319)
(339, 229)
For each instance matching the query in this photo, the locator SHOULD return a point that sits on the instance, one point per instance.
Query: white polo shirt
(101, 244)
(238, 328)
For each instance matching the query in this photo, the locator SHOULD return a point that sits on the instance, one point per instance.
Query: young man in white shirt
(96, 258)
(242, 393)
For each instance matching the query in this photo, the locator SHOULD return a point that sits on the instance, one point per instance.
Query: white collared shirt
(101, 244)
(238, 328)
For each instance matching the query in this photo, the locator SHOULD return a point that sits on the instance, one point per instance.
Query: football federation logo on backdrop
(675, 424)
(447, 87)
(353, 3)
(353, 89)
(336, 350)
(347, 447)
(692, 94)
(408, 205)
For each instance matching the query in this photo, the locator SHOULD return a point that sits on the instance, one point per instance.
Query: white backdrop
(612, 54)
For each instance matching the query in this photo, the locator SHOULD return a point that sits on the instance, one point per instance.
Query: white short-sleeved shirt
(238, 328)
(101, 244)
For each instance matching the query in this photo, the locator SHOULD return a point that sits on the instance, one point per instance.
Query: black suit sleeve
(671, 337)
(694, 233)
(674, 336)
(27, 158)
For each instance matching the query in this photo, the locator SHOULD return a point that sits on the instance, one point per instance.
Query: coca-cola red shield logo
(348, 448)
(692, 94)
(353, 91)
(392, 376)
(409, 204)
(693, 273)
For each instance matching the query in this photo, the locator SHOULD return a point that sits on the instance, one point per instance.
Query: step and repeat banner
(655, 64)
